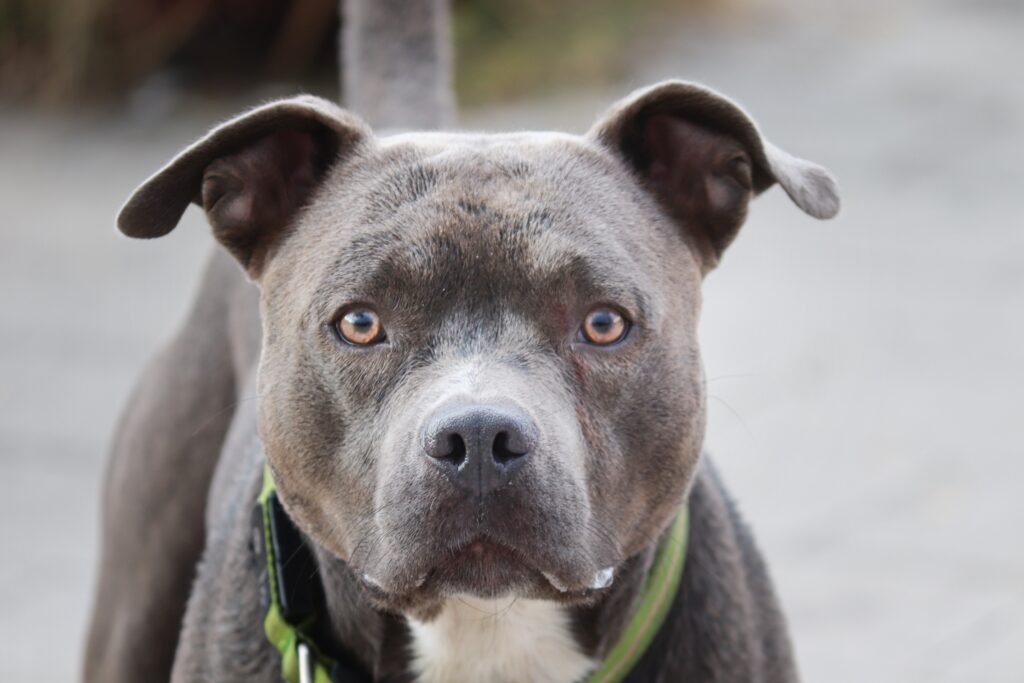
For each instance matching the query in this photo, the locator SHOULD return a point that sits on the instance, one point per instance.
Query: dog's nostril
(455, 450)
(505, 449)
(479, 447)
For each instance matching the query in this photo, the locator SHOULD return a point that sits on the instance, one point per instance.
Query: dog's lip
(477, 549)
(601, 579)
(486, 548)
(481, 548)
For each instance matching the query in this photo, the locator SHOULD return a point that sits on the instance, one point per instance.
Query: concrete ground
(866, 373)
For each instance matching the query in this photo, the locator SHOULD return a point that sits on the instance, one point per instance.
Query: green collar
(658, 596)
(290, 617)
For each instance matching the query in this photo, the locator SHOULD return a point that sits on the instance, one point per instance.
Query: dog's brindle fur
(481, 253)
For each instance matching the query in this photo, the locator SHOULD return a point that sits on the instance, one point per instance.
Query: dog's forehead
(504, 171)
(516, 215)
(550, 197)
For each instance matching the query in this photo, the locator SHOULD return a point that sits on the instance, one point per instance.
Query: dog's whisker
(735, 414)
(738, 375)
(211, 418)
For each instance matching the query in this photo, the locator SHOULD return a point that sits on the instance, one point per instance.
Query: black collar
(292, 591)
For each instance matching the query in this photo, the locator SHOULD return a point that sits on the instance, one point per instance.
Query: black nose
(479, 447)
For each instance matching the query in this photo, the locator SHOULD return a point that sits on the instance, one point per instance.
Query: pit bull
(467, 381)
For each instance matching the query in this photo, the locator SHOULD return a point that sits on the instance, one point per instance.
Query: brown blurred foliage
(74, 50)
(69, 51)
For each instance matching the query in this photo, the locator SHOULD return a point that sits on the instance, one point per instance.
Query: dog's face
(522, 405)
(480, 368)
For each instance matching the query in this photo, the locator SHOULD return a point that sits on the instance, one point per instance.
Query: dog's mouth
(488, 568)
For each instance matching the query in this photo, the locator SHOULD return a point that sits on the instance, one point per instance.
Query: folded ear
(704, 159)
(251, 175)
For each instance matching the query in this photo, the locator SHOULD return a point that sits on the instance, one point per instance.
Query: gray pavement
(866, 373)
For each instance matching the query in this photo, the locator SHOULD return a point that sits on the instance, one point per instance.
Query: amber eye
(361, 327)
(604, 326)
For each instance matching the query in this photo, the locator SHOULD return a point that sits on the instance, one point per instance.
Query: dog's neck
(545, 640)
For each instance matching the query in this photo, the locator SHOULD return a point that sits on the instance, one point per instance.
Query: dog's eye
(604, 326)
(360, 327)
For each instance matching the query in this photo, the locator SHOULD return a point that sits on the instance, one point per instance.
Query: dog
(467, 386)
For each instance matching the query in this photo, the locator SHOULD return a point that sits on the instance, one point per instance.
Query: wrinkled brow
(516, 259)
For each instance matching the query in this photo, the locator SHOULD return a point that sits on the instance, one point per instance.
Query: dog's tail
(396, 61)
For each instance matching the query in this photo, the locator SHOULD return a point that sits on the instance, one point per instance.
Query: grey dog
(480, 392)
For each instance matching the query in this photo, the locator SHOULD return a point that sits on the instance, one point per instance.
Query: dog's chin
(482, 568)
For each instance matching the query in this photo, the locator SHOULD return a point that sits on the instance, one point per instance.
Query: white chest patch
(497, 641)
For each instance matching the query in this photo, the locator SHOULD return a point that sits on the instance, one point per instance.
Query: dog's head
(480, 368)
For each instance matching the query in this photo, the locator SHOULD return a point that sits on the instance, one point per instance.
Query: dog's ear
(704, 159)
(251, 175)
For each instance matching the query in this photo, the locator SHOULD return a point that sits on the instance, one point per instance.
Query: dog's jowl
(480, 406)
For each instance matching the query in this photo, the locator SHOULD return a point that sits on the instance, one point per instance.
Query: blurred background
(866, 373)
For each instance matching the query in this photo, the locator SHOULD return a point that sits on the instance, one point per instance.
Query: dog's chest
(502, 641)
